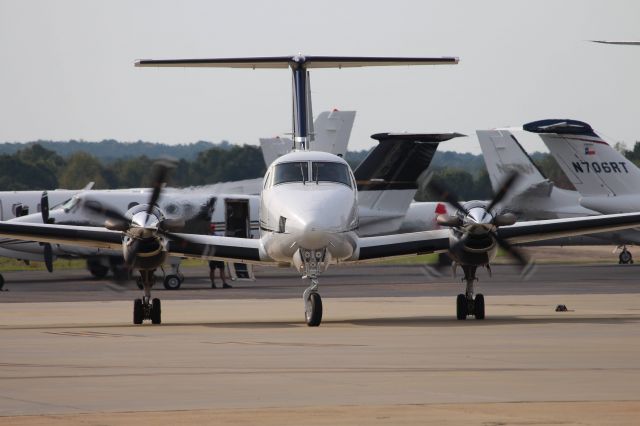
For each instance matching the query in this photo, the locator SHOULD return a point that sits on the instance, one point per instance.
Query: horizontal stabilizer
(624, 43)
(297, 60)
(417, 137)
(560, 127)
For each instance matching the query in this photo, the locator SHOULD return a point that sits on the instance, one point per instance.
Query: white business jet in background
(606, 180)
(309, 215)
(536, 197)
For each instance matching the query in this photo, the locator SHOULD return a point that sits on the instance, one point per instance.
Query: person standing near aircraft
(217, 265)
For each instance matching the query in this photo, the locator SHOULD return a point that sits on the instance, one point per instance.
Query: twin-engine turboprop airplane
(309, 214)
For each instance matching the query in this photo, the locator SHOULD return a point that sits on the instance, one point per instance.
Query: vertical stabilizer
(503, 155)
(332, 133)
(388, 177)
(592, 165)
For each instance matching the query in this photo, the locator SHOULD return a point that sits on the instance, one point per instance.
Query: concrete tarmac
(389, 351)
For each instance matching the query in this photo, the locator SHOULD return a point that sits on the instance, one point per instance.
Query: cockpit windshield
(325, 171)
(291, 172)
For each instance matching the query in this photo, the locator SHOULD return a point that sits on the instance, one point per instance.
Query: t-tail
(602, 175)
(299, 65)
(387, 178)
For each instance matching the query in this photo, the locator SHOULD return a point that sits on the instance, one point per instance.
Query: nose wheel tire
(313, 310)
(172, 282)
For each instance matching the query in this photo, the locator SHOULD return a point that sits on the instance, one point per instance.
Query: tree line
(38, 168)
(35, 167)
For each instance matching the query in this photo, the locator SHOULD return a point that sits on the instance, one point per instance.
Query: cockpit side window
(291, 172)
(325, 171)
(266, 180)
(69, 204)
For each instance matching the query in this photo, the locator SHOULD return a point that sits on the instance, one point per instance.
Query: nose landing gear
(313, 262)
(312, 304)
(145, 308)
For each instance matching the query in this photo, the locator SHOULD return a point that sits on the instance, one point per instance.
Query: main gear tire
(138, 311)
(478, 307)
(156, 313)
(462, 307)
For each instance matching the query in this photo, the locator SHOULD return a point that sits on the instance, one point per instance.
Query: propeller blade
(504, 189)
(44, 207)
(104, 210)
(444, 193)
(174, 237)
(161, 171)
(523, 260)
(131, 254)
(48, 257)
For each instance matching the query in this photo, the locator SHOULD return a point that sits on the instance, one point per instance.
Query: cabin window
(324, 171)
(291, 172)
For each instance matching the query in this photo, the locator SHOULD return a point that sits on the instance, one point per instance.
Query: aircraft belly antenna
(299, 65)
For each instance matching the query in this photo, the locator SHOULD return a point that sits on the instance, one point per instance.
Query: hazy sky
(67, 67)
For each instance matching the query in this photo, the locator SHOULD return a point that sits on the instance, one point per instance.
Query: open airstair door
(238, 224)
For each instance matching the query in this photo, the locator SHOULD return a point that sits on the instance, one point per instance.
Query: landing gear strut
(145, 308)
(625, 257)
(466, 304)
(312, 262)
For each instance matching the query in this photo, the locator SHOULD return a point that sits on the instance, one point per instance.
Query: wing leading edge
(210, 247)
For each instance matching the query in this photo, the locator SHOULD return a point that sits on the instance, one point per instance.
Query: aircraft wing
(375, 248)
(85, 236)
(371, 249)
(540, 230)
(241, 250)
(186, 245)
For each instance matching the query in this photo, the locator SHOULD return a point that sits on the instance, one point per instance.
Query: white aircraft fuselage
(309, 204)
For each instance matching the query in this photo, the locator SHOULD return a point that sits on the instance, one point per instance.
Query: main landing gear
(174, 280)
(145, 308)
(466, 304)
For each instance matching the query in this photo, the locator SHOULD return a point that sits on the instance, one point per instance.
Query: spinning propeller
(143, 225)
(478, 220)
